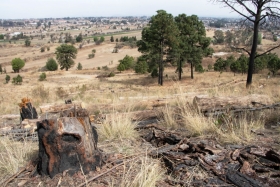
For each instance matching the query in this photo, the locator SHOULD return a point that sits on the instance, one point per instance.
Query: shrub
(48, 48)
(17, 64)
(17, 80)
(112, 74)
(127, 61)
(27, 42)
(199, 68)
(79, 67)
(51, 65)
(154, 73)
(7, 78)
(105, 68)
(91, 55)
(141, 67)
(42, 49)
(42, 77)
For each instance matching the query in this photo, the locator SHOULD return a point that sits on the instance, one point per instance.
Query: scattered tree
(1, 37)
(17, 64)
(157, 39)
(193, 43)
(65, 55)
(1, 70)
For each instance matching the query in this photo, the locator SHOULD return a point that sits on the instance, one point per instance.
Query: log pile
(251, 166)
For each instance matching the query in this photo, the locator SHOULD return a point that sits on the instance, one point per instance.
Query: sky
(24, 9)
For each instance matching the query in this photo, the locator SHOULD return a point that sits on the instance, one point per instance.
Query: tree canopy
(65, 55)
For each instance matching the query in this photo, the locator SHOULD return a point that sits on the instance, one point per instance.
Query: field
(120, 97)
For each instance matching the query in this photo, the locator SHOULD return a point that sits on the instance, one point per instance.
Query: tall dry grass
(14, 155)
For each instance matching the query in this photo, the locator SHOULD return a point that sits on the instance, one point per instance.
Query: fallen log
(204, 103)
(59, 107)
(219, 105)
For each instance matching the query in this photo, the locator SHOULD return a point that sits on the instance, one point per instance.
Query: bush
(27, 42)
(127, 61)
(17, 64)
(79, 67)
(141, 67)
(51, 65)
(105, 68)
(7, 78)
(154, 73)
(42, 77)
(199, 68)
(112, 74)
(17, 80)
(91, 55)
(48, 48)
(42, 49)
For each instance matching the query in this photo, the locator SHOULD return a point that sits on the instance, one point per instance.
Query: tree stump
(67, 143)
(27, 111)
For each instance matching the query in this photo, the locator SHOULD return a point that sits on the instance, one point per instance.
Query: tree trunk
(253, 50)
(191, 70)
(180, 70)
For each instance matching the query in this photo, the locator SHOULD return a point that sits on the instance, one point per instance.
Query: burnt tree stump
(27, 111)
(67, 144)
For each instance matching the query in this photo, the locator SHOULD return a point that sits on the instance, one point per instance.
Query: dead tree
(258, 12)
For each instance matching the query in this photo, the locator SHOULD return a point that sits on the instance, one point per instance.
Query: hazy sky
(17, 9)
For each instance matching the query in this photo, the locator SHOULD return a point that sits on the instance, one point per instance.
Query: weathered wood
(206, 104)
(68, 143)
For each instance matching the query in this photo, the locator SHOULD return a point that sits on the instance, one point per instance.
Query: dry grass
(145, 174)
(117, 127)
(14, 155)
